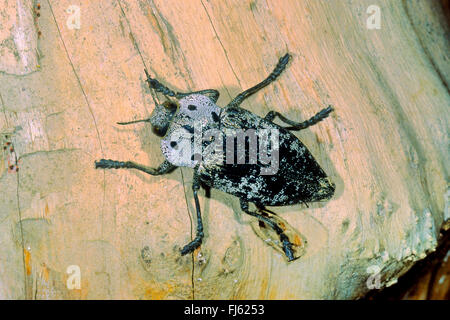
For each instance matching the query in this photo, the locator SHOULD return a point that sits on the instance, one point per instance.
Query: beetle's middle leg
(295, 126)
(287, 245)
(194, 244)
(159, 87)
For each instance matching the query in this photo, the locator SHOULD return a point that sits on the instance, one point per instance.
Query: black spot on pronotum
(192, 107)
(173, 144)
(215, 116)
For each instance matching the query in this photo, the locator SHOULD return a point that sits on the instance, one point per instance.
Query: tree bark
(64, 88)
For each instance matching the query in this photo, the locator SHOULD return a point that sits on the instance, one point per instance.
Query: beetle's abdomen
(298, 177)
(303, 181)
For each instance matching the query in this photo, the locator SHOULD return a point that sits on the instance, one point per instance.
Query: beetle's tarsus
(109, 164)
(191, 246)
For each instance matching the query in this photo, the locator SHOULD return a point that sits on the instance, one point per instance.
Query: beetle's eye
(192, 107)
(170, 105)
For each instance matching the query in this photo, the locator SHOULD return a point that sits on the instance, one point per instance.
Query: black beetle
(199, 134)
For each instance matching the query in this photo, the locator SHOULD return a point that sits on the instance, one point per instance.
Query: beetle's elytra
(235, 151)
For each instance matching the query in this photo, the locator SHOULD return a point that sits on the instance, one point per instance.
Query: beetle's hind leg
(159, 87)
(295, 126)
(287, 245)
(194, 244)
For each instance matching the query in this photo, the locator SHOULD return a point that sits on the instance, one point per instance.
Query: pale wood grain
(385, 146)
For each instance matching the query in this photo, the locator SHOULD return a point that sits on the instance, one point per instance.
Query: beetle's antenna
(131, 122)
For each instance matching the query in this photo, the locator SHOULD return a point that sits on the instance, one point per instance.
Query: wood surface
(428, 279)
(63, 89)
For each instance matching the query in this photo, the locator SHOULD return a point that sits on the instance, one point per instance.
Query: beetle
(298, 177)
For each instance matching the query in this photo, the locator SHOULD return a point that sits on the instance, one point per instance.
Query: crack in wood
(90, 111)
(221, 44)
(176, 44)
(4, 110)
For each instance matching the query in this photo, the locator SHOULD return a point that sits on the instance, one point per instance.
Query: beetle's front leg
(194, 244)
(159, 87)
(163, 168)
(295, 126)
(271, 78)
(287, 245)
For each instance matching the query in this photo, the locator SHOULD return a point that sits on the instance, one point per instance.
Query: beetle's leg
(272, 77)
(194, 244)
(287, 245)
(295, 126)
(163, 168)
(159, 87)
(263, 208)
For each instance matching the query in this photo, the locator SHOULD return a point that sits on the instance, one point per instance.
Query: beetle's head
(160, 118)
